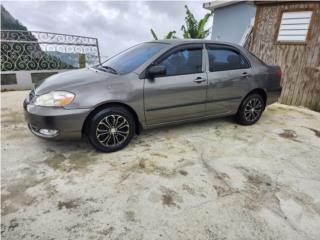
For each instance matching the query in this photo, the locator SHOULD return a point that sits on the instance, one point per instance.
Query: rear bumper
(67, 122)
(273, 95)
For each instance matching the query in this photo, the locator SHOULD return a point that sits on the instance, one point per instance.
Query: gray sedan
(150, 85)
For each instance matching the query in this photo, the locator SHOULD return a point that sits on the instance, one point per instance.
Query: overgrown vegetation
(10, 23)
(191, 29)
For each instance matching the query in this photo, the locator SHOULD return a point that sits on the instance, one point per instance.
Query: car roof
(184, 41)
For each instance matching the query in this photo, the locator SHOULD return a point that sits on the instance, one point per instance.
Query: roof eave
(279, 2)
(219, 4)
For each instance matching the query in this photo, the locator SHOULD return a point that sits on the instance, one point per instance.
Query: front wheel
(111, 129)
(250, 109)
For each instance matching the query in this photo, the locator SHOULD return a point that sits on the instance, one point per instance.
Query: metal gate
(28, 53)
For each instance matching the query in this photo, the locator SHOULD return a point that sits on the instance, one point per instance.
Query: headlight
(54, 99)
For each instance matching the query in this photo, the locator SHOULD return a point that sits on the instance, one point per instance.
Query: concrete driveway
(208, 180)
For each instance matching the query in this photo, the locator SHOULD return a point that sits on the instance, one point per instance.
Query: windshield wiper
(109, 69)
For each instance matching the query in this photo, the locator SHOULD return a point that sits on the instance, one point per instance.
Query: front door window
(182, 62)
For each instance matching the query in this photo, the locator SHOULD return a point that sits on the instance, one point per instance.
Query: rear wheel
(250, 109)
(111, 129)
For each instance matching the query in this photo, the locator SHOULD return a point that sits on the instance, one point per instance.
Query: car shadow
(83, 144)
(200, 123)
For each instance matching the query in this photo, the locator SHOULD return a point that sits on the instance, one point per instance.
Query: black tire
(250, 109)
(103, 125)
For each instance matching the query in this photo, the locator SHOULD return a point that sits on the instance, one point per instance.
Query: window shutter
(294, 26)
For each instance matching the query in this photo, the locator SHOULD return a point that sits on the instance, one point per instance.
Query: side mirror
(155, 71)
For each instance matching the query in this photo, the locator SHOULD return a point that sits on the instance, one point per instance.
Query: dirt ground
(208, 180)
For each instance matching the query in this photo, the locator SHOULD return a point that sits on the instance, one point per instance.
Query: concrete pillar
(24, 80)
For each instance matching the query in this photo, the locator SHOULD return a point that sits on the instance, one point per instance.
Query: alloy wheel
(112, 130)
(253, 109)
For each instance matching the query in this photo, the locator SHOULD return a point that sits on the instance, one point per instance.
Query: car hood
(72, 78)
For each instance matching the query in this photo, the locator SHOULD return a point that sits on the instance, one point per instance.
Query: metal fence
(33, 50)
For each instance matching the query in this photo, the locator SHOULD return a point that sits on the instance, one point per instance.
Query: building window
(294, 26)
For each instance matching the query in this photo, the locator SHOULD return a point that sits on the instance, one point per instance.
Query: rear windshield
(132, 58)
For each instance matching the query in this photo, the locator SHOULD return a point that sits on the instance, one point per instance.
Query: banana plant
(194, 28)
(170, 35)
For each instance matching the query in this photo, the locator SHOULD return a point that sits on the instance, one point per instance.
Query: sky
(117, 24)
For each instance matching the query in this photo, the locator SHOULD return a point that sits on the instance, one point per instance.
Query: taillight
(279, 73)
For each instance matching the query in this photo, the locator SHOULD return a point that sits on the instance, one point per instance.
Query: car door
(229, 77)
(181, 93)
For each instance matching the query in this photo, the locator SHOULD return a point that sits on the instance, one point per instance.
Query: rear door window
(221, 59)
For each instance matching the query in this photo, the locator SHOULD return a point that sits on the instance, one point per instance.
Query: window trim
(172, 50)
(278, 24)
(226, 47)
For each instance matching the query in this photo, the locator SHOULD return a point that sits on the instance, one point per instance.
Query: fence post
(82, 60)
(24, 80)
(98, 51)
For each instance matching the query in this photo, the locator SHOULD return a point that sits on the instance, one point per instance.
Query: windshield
(132, 58)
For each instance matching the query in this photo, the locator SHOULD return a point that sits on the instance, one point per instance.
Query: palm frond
(171, 35)
(154, 34)
(201, 32)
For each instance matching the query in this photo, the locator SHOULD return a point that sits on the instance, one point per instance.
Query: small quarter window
(294, 26)
(225, 59)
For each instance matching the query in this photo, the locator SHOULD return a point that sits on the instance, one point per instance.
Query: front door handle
(199, 80)
(244, 74)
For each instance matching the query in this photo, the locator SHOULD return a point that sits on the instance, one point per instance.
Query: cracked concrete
(206, 180)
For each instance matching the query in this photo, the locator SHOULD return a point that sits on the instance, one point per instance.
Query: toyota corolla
(150, 85)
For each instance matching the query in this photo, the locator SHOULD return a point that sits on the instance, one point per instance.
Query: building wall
(231, 22)
(24, 80)
(300, 63)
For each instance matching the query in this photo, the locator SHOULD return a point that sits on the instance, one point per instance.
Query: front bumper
(67, 122)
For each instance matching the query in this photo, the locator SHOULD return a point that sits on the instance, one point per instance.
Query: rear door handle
(199, 80)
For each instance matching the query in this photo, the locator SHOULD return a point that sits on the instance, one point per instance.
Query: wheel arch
(259, 91)
(102, 106)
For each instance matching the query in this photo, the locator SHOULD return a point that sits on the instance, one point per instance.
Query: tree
(10, 23)
(170, 35)
(193, 28)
